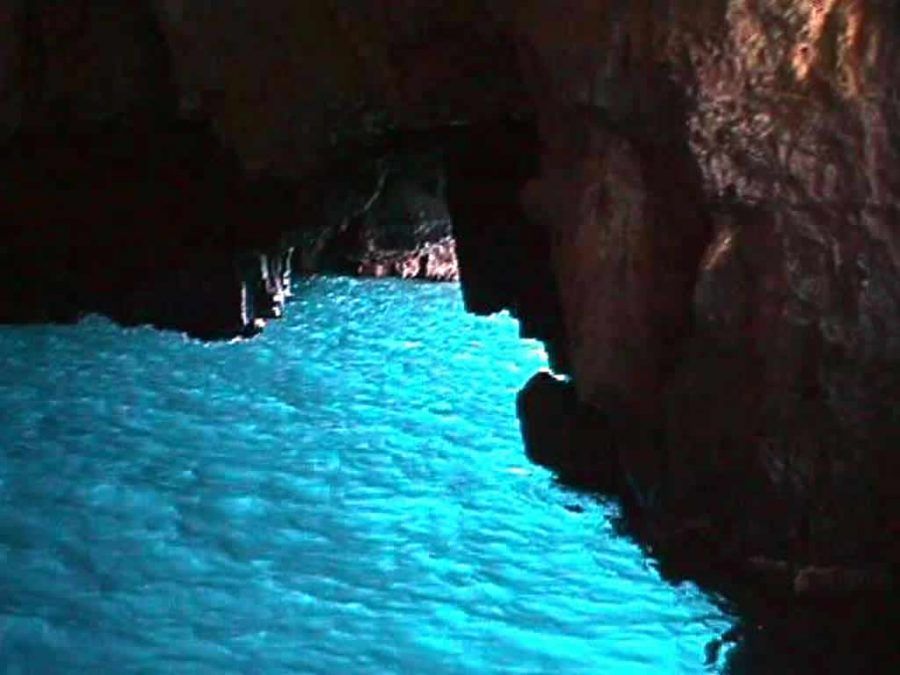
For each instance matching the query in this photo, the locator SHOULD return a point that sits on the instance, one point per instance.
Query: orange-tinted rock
(723, 187)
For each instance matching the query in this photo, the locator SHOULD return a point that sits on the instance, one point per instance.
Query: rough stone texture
(573, 439)
(722, 183)
(802, 134)
(433, 261)
(389, 219)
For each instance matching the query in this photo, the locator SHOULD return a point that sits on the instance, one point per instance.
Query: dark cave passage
(151, 221)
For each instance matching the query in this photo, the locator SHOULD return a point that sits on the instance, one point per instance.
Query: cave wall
(722, 182)
(11, 91)
(286, 82)
(694, 202)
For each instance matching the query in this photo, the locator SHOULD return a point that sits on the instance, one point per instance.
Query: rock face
(408, 231)
(693, 202)
(722, 185)
(573, 439)
(399, 226)
(434, 261)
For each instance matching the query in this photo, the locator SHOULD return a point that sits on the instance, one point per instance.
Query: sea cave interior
(451, 336)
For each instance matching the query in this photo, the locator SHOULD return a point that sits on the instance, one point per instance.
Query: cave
(671, 224)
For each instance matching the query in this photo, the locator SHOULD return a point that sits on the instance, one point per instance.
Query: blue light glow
(345, 494)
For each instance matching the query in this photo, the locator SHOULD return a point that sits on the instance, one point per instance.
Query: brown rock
(566, 436)
(724, 193)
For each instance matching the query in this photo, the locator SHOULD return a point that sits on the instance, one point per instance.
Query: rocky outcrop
(504, 254)
(573, 439)
(408, 232)
(397, 225)
(97, 219)
(434, 261)
(720, 180)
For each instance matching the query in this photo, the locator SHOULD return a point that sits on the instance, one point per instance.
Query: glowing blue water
(345, 494)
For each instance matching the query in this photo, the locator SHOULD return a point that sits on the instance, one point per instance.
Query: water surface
(346, 493)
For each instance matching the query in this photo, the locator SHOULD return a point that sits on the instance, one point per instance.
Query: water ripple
(345, 494)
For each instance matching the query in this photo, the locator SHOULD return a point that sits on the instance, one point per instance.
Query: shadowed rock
(566, 436)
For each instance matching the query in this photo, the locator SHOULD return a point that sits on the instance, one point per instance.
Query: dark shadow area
(135, 220)
(504, 253)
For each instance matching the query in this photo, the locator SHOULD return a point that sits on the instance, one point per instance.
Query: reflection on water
(345, 494)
